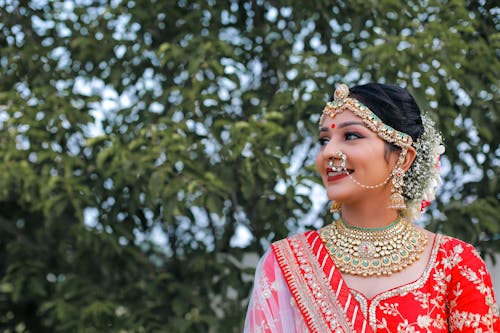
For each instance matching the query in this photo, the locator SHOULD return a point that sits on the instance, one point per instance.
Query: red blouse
(454, 294)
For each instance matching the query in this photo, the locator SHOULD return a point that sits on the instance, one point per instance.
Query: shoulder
(451, 242)
(279, 257)
(305, 234)
(456, 254)
(292, 241)
(268, 259)
(454, 246)
(470, 295)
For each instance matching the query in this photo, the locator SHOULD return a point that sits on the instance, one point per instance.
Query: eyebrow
(344, 124)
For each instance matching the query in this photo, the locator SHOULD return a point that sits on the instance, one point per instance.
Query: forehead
(340, 118)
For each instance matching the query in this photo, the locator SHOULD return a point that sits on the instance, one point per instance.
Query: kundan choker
(373, 251)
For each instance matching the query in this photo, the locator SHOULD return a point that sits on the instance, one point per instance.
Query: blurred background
(151, 150)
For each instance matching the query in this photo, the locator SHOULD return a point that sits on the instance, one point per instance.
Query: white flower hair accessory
(423, 178)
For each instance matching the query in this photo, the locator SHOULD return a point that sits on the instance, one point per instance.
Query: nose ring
(339, 154)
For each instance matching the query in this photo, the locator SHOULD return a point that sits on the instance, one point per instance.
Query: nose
(341, 164)
(329, 152)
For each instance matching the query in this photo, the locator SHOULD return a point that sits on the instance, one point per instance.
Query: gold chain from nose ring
(369, 186)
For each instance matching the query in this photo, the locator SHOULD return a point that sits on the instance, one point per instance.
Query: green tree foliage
(139, 139)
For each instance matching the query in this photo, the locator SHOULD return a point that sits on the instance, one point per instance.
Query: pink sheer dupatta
(298, 289)
(271, 307)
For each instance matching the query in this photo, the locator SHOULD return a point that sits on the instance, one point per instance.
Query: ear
(409, 158)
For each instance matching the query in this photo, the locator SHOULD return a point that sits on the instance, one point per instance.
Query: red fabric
(457, 296)
(454, 294)
(351, 307)
(323, 309)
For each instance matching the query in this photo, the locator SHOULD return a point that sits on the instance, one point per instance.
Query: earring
(335, 207)
(397, 201)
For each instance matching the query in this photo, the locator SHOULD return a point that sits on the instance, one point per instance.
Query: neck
(368, 217)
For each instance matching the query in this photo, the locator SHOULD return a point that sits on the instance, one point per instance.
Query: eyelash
(322, 141)
(356, 135)
(347, 136)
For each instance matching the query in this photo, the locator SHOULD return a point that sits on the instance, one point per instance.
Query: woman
(372, 270)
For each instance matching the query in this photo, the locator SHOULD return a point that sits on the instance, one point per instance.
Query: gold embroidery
(308, 282)
(286, 260)
(442, 300)
(372, 318)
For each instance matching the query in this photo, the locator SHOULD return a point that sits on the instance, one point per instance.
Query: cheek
(319, 162)
(367, 158)
(373, 161)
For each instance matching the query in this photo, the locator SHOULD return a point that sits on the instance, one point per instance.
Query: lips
(334, 175)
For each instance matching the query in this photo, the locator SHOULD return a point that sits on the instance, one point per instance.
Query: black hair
(394, 105)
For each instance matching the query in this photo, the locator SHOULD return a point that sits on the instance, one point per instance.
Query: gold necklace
(373, 251)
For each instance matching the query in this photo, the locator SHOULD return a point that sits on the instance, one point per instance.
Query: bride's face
(367, 158)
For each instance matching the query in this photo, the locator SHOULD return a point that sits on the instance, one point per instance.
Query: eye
(323, 141)
(352, 136)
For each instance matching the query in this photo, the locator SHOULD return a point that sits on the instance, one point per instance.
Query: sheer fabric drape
(272, 308)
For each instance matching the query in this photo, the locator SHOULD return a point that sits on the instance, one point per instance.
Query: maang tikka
(343, 102)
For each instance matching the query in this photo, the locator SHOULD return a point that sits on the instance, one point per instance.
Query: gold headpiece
(341, 102)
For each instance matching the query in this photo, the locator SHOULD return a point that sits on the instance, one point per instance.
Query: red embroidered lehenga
(298, 289)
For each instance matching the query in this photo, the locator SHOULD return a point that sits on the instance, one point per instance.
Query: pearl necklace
(373, 251)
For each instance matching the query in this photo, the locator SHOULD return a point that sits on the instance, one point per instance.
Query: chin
(335, 196)
(340, 194)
